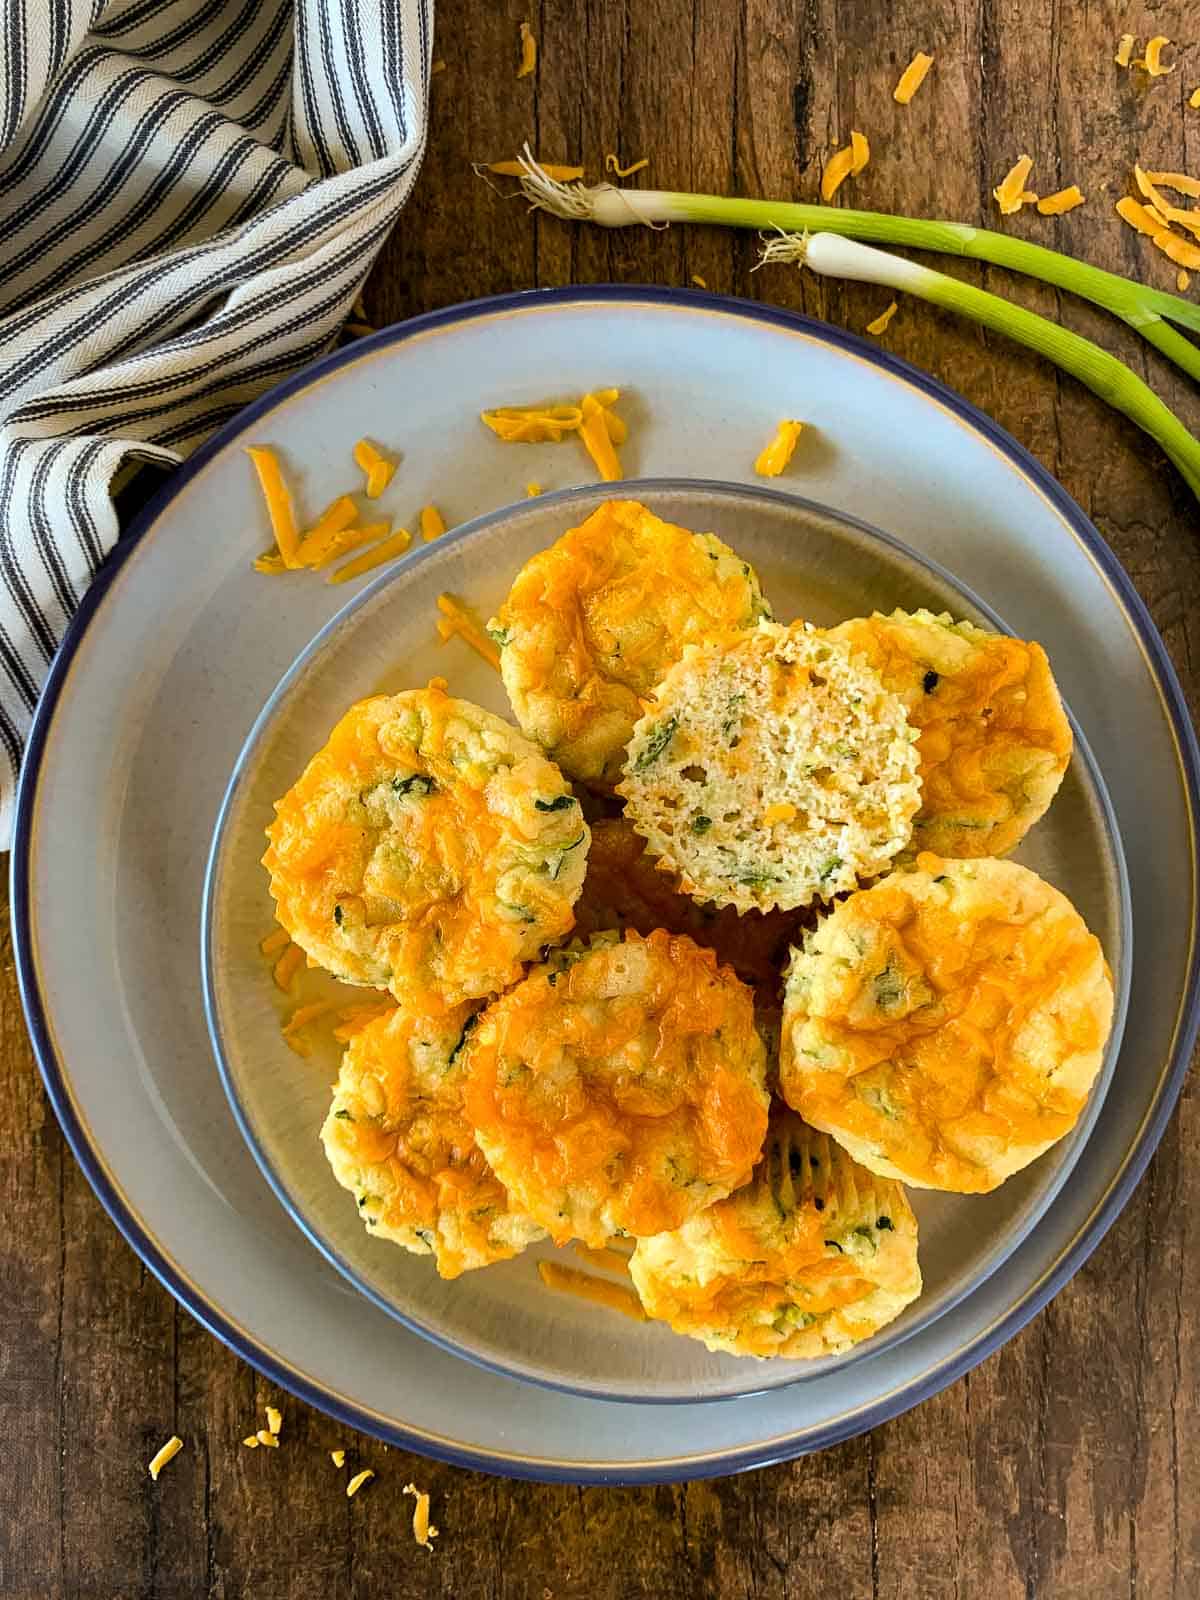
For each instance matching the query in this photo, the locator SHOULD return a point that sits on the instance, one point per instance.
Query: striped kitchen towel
(191, 195)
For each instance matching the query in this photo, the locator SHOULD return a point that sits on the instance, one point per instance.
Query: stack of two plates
(191, 692)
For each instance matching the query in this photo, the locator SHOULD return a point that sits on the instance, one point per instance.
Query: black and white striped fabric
(191, 195)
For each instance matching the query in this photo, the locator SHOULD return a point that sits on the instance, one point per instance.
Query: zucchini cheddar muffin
(993, 738)
(947, 1025)
(812, 1256)
(396, 1137)
(619, 1088)
(429, 849)
(591, 624)
(772, 769)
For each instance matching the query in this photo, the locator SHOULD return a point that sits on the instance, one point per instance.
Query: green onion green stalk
(831, 256)
(825, 238)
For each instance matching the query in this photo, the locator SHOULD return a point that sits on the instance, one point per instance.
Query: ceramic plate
(178, 647)
(814, 564)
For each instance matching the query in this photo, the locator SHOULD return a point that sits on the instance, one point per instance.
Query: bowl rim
(268, 1361)
(242, 772)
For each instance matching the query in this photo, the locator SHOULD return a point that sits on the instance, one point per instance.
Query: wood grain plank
(118, 1407)
(31, 1170)
(277, 1522)
(1066, 1465)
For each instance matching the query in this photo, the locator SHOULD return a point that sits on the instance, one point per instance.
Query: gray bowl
(815, 563)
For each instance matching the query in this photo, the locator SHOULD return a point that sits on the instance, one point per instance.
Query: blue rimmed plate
(176, 651)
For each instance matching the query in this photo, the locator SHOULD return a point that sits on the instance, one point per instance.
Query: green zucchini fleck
(415, 785)
(462, 1038)
(657, 741)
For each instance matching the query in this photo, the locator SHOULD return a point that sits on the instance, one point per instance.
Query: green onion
(1149, 311)
(833, 250)
(1103, 374)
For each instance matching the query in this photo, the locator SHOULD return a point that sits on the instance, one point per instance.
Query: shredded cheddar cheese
(386, 550)
(912, 78)
(612, 164)
(514, 169)
(532, 424)
(338, 1457)
(433, 524)
(1177, 180)
(322, 537)
(375, 467)
(593, 419)
(606, 399)
(782, 811)
(845, 163)
(168, 1453)
(596, 431)
(528, 51)
(1151, 62)
(1012, 194)
(1181, 251)
(353, 1019)
(251, 1441)
(1054, 205)
(1194, 99)
(341, 544)
(606, 1260)
(1137, 216)
(569, 1280)
(357, 1481)
(699, 281)
(458, 619)
(1124, 50)
(1182, 281)
(274, 1419)
(1162, 207)
(774, 457)
(265, 1436)
(288, 965)
(532, 489)
(880, 323)
(423, 1530)
(279, 503)
(279, 940)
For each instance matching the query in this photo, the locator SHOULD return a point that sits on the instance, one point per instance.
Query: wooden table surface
(1068, 1463)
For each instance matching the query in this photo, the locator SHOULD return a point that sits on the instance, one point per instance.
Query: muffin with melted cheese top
(992, 736)
(812, 1256)
(591, 624)
(619, 1088)
(947, 1025)
(429, 848)
(396, 1137)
